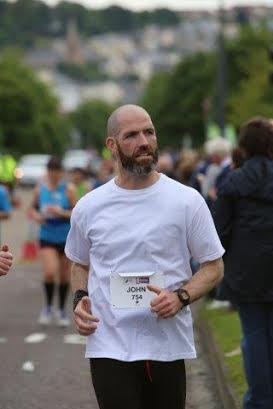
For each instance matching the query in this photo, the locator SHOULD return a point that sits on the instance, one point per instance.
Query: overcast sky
(174, 4)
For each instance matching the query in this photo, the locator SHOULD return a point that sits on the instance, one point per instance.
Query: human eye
(150, 131)
(130, 135)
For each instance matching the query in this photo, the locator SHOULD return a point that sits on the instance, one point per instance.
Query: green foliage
(163, 17)
(253, 95)
(153, 101)
(24, 21)
(227, 334)
(29, 119)
(90, 120)
(250, 92)
(175, 100)
(83, 73)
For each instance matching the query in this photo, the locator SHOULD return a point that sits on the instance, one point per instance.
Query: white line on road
(74, 339)
(35, 338)
(28, 366)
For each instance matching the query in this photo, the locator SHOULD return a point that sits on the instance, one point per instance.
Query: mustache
(143, 149)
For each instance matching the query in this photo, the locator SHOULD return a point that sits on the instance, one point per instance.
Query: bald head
(122, 113)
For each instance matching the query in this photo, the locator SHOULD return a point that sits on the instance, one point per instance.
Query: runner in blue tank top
(51, 207)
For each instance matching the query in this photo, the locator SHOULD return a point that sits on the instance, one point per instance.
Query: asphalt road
(46, 369)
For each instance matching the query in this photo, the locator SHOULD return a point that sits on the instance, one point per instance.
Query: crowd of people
(144, 239)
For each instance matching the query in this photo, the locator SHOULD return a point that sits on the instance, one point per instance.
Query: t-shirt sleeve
(203, 241)
(77, 246)
(5, 205)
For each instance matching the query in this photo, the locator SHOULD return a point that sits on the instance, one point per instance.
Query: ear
(111, 144)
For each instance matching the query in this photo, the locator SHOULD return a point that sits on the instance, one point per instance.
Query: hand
(166, 304)
(86, 322)
(212, 193)
(54, 210)
(5, 260)
(35, 215)
(39, 218)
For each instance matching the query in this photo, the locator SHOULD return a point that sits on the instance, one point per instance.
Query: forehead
(133, 121)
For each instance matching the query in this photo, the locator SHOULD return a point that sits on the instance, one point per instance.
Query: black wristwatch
(183, 296)
(79, 294)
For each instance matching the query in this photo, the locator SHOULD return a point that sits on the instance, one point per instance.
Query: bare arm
(85, 321)
(167, 303)
(72, 198)
(209, 275)
(79, 277)
(33, 209)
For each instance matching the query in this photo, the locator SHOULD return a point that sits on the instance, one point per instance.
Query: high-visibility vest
(7, 168)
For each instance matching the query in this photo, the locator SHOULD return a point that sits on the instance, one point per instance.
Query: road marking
(28, 366)
(3, 340)
(35, 338)
(74, 339)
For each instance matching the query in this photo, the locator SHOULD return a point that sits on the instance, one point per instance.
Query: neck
(52, 185)
(126, 180)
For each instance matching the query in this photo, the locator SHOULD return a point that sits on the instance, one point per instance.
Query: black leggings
(139, 384)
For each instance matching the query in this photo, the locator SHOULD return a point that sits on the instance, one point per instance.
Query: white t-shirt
(158, 228)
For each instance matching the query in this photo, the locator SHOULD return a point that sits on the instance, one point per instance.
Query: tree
(254, 96)
(23, 22)
(153, 100)
(177, 99)
(29, 117)
(90, 120)
(250, 92)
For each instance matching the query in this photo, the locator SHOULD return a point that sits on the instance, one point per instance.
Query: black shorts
(139, 384)
(59, 247)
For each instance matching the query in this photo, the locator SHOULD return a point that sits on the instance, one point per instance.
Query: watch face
(184, 296)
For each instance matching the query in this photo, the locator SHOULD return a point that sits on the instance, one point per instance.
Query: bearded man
(131, 241)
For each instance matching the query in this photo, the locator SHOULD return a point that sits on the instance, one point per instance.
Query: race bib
(129, 290)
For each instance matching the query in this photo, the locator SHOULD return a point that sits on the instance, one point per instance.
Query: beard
(144, 165)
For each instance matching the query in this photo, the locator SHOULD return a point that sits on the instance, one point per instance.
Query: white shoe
(62, 319)
(45, 317)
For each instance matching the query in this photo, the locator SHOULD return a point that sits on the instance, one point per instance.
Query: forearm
(209, 275)
(66, 214)
(79, 277)
(35, 214)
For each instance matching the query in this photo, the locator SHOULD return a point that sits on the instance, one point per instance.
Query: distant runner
(51, 207)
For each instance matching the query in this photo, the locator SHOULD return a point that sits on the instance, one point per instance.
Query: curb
(225, 391)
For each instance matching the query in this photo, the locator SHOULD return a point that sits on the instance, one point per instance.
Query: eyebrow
(149, 128)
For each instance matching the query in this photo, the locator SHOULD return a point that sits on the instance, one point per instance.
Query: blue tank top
(55, 229)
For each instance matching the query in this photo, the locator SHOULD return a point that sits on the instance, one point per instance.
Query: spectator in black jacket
(244, 219)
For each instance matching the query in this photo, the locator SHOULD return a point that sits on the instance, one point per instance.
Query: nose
(142, 138)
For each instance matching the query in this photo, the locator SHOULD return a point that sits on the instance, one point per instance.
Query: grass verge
(226, 330)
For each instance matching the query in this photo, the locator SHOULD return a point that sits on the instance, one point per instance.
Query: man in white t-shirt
(131, 241)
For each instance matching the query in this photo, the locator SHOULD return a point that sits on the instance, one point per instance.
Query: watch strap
(184, 301)
(79, 294)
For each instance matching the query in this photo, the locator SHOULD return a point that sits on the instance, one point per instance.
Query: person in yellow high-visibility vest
(7, 168)
(7, 175)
